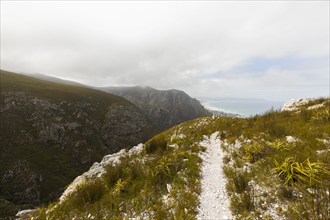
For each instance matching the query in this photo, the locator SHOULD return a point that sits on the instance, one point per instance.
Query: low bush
(88, 193)
(313, 204)
(238, 180)
(321, 114)
(253, 152)
(157, 144)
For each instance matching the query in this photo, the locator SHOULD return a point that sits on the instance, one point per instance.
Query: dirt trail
(214, 203)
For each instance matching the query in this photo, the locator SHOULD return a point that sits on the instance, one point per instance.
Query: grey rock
(165, 108)
(24, 214)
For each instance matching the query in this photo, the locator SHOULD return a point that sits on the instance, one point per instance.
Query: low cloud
(274, 50)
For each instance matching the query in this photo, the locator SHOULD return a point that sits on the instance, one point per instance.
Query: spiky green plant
(119, 187)
(306, 172)
(277, 145)
(252, 152)
(163, 167)
(316, 169)
(290, 170)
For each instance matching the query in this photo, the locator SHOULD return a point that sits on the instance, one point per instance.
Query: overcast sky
(244, 49)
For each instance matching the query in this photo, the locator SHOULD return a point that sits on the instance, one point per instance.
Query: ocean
(246, 107)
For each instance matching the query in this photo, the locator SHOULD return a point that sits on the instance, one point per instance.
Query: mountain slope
(51, 132)
(54, 79)
(276, 166)
(165, 108)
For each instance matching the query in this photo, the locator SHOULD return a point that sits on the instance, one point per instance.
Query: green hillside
(52, 132)
(276, 166)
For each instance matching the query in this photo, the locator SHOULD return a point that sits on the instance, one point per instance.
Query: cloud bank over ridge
(272, 50)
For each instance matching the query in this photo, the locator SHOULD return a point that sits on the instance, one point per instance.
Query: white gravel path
(214, 203)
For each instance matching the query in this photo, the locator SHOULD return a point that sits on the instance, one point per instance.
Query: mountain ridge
(164, 107)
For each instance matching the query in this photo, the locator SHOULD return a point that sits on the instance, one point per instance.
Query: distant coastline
(245, 107)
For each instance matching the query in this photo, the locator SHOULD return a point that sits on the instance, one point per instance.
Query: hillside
(54, 79)
(276, 166)
(165, 108)
(51, 132)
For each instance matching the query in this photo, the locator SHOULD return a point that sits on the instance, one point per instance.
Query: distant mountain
(52, 132)
(164, 108)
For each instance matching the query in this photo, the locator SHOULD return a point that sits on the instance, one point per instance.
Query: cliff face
(164, 108)
(51, 132)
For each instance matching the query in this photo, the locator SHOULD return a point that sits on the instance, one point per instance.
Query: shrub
(162, 171)
(277, 145)
(314, 204)
(238, 179)
(156, 144)
(113, 174)
(119, 187)
(89, 192)
(253, 152)
(323, 114)
(277, 129)
(242, 204)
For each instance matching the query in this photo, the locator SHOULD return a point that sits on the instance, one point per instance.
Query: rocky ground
(214, 203)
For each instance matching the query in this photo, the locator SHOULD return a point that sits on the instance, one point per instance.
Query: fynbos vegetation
(276, 167)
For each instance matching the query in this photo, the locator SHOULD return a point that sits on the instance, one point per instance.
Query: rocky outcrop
(24, 214)
(164, 108)
(294, 105)
(50, 133)
(98, 169)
